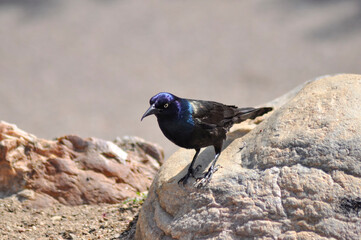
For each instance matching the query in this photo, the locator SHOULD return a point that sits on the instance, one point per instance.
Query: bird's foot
(191, 172)
(203, 181)
(197, 169)
(184, 179)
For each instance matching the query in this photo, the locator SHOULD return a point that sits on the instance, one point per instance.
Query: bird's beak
(151, 110)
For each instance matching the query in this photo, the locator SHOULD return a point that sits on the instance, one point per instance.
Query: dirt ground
(104, 221)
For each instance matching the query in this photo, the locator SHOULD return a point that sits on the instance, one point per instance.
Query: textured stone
(288, 178)
(73, 170)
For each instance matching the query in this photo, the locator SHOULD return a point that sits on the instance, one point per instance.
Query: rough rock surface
(72, 170)
(297, 175)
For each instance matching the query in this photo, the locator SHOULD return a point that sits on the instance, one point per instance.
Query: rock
(72, 170)
(141, 147)
(288, 178)
(26, 194)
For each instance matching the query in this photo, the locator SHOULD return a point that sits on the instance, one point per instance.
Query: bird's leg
(190, 169)
(212, 169)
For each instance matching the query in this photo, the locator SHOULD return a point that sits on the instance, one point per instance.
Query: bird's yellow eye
(166, 105)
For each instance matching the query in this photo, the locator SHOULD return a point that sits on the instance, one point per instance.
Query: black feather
(196, 124)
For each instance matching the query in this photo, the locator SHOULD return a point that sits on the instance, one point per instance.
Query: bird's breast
(179, 131)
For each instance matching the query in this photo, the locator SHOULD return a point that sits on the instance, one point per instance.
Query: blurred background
(90, 67)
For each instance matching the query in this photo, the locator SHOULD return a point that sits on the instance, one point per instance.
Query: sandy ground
(90, 67)
(65, 222)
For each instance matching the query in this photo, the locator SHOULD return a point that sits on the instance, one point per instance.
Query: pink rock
(73, 170)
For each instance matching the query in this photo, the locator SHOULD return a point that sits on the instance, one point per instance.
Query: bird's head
(162, 104)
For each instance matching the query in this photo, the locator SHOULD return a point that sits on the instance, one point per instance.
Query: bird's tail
(250, 113)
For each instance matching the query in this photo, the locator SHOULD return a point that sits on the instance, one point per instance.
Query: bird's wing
(212, 114)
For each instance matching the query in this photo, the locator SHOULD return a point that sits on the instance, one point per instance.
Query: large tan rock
(296, 175)
(73, 170)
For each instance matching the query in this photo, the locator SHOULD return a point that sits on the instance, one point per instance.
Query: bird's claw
(191, 172)
(244, 144)
(184, 179)
(197, 169)
(203, 181)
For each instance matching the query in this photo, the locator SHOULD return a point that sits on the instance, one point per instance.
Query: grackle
(195, 124)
